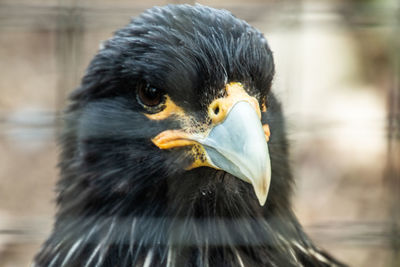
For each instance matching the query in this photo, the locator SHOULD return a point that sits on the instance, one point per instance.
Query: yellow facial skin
(217, 111)
(170, 109)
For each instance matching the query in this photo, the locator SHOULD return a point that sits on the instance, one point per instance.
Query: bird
(174, 152)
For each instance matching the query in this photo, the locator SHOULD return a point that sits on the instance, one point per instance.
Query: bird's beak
(238, 146)
(236, 143)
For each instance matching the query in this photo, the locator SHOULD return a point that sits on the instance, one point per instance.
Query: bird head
(177, 106)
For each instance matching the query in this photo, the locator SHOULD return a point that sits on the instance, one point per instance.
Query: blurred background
(337, 74)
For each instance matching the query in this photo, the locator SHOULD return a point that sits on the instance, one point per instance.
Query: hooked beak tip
(261, 191)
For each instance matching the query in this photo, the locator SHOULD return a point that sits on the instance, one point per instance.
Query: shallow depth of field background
(337, 74)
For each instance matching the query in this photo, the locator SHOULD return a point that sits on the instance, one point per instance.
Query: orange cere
(219, 108)
(267, 132)
(263, 107)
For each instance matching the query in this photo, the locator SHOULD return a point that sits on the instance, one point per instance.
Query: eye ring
(150, 96)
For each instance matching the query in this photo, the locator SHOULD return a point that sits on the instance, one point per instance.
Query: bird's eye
(150, 96)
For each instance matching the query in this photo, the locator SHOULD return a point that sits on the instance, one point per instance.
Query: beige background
(337, 76)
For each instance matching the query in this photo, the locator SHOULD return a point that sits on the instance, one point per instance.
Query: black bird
(167, 158)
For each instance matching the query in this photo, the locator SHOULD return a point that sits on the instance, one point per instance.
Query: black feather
(123, 201)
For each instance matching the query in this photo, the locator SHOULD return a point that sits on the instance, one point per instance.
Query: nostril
(216, 110)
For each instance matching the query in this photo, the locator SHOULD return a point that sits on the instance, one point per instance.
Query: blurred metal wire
(392, 174)
(71, 20)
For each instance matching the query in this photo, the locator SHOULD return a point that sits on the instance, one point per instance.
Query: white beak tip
(261, 193)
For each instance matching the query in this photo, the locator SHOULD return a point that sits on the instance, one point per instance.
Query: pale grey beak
(239, 147)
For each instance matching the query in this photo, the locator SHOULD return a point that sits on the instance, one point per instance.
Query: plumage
(123, 201)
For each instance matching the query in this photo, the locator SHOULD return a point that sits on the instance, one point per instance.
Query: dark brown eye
(150, 96)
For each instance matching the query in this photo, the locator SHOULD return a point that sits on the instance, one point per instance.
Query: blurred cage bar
(338, 76)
